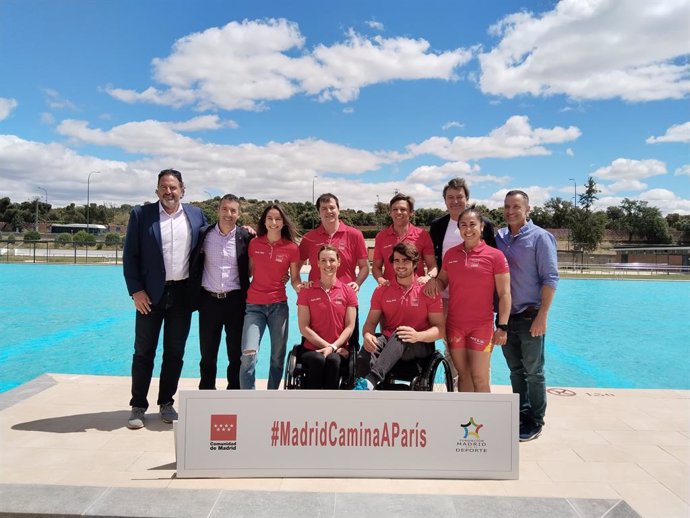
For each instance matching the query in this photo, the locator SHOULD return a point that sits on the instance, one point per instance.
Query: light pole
(37, 199)
(88, 199)
(313, 182)
(575, 184)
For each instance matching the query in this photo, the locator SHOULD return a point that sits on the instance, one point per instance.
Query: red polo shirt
(471, 283)
(387, 239)
(350, 244)
(327, 309)
(401, 306)
(271, 263)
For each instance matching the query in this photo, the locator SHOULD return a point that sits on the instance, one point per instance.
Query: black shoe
(529, 431)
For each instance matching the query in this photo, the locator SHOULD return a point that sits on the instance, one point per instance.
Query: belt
(529, 312)
(222, 295)
(173, 283)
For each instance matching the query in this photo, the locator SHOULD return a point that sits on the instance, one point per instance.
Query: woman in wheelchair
(411, 321)
(326, 315)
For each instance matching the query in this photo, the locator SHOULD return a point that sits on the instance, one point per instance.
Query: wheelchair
(429, 374)
(296, 372)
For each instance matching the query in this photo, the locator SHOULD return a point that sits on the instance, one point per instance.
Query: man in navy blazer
(219, 281)
(156, 260)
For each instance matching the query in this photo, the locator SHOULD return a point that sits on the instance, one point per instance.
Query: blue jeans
(257, 317)
(524, 355)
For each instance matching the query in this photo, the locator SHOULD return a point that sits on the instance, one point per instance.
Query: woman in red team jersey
(326, 313)
(473, 271)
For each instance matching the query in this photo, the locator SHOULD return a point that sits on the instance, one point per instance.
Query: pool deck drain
(65, 450)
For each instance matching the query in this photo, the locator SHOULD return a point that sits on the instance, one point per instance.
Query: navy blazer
(196, 270)
(142, 258)
(437, 231)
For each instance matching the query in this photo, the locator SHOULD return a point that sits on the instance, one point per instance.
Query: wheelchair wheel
(440, 379)
(289, 383)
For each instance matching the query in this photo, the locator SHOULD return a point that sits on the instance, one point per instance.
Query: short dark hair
(325, 197)
(171, 172)
(406, 249)
(402, 197)
(327, 248)
(457, 184)
(229, 197)
(515, 192)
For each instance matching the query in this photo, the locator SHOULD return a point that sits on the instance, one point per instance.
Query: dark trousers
(214, 316)
(374, 366)
(323, 371)
(173, 315)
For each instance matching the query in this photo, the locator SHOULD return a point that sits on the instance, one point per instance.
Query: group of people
(447, 283)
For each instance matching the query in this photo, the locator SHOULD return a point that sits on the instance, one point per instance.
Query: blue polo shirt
(533, 262)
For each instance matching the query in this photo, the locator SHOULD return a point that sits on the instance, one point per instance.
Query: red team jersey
(387, 239)
(347, 240)
(271, 263)
(327, 309)
(404, 306)
(471, 283)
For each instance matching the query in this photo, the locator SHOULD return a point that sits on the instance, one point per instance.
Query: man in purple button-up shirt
(531, 254)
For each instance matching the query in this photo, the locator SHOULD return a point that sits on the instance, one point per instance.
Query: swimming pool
(602, 333)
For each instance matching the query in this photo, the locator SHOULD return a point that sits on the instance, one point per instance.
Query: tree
(64, 239)
(587, 229)
(643, 222)
(539, 216)
(31, 235)
(112, 239)
(590, 196)
(559, 210)
(83, 238)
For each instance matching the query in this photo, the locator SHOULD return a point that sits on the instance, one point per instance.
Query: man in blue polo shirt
(531, 254)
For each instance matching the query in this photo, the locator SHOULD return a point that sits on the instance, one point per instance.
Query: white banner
(304, 433)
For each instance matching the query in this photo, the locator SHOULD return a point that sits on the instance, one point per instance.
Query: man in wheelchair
(410, 321)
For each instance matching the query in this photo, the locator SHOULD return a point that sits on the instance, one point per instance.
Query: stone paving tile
(166, 503)
(509, 507)
(256, 504)
(28, 499)
(360, 505)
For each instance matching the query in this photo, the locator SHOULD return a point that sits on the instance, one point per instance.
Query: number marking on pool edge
(561, 392)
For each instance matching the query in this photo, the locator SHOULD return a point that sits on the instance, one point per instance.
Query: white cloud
(245, 64)
(6, 107)
(57, 102)
(626, 185)
(452, 124)
(538, 195)
(515, 138)
(47, 118)
(682, 170)
(373, 24)
(349, 110)
(570, 152)
(666, 201)
(594, 49)
(676, 133)
(628, 169)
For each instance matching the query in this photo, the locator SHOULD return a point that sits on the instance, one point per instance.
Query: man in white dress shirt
(159, 242)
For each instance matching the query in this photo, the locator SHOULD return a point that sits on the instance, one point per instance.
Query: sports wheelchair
(429, 374)
(296, 371)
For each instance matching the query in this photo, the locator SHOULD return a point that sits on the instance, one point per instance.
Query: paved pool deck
(65, 450)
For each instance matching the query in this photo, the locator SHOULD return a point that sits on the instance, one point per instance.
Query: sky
(283, 100)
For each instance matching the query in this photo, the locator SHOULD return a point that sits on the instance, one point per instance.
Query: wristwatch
(502, 327)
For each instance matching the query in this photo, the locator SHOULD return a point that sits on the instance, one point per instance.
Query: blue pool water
(602, 333)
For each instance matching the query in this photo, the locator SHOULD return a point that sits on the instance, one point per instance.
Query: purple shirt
(533, 264)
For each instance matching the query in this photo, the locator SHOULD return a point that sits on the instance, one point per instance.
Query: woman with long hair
(272, 255)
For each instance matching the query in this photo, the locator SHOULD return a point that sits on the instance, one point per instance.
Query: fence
(623, 269)
(51, 252)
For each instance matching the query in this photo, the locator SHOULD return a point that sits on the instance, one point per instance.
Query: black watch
(502, 327)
